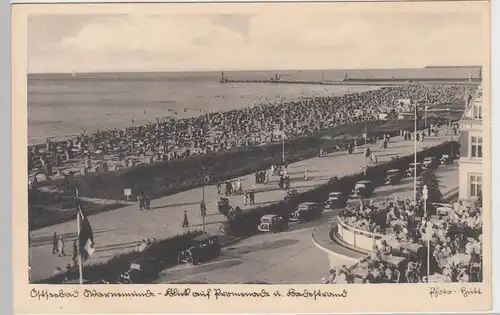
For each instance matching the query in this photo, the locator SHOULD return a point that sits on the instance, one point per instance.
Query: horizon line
(257, 70)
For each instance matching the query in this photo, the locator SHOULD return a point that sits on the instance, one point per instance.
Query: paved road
(120, 230)
(289, 257)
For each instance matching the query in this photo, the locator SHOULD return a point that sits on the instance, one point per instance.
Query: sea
(62, 105)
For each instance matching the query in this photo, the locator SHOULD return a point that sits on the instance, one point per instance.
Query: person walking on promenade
(218, 187)
(252, 197)
(75, 252)
(305, 175)
(245, 198)
(185, 222)
(54, 243)
(60, 247)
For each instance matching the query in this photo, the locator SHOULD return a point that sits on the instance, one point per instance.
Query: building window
(476, 147)
(475, 185)
(477, 111)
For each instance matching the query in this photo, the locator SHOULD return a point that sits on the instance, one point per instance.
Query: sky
(260, 40)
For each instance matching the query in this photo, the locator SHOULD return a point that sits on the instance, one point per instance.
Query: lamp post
(365, 145)
(425, 116)
(283, 135)
(203, 207)
(425, 195)
(415, 156)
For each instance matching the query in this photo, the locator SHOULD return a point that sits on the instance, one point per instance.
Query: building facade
(471, 148)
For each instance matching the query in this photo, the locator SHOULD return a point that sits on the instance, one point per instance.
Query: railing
(363, 240)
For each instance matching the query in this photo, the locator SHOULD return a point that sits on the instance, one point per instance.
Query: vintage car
(393, 177)
(307, 211)
(410, 172)
(335, 200)
(203, 248)
(430, 163)
(446, 159)
(362, 189)
(272, 223)
(143, 270)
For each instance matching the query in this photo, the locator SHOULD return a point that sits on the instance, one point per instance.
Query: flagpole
(80, 267)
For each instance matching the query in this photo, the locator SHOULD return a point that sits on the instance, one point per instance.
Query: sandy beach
(63, 105)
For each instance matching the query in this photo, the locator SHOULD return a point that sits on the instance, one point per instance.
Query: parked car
(336, 200)
(272, 223)
(143, 270)
(446, 159)
(307, 211)
(203, 248)
(393, 177)
(362, 189)
(430, 163)
(410, 172)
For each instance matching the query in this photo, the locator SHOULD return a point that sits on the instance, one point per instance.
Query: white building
(471, 148)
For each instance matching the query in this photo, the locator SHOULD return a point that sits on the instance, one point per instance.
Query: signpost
(127, 192)
(425, 195)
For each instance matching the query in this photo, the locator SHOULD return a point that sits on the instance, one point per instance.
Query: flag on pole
(85, 236)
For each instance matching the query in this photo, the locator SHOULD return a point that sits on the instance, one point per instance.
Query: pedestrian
(54, 243)
(252, 197)
(245, 198)
(75, 252)
(185, 222)
(305, 175)
(60, 247)
(218, 187)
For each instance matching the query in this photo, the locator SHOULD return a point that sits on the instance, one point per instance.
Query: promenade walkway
(120, 230)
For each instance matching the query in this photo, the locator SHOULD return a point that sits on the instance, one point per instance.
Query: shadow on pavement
(175, 205)
(67, 237)
(182, 271)
(389, 192)
(240, 251)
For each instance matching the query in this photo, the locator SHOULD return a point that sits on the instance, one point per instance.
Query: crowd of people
(171, 138)
(415, 246)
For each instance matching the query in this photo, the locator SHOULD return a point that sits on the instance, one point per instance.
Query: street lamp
(425, 196)
(203, 207)
(365, 146)
(283, 134)
(415, 156)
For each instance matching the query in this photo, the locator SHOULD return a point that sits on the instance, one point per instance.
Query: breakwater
(372, 82)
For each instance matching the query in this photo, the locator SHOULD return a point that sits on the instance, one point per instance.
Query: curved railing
(357, 238)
